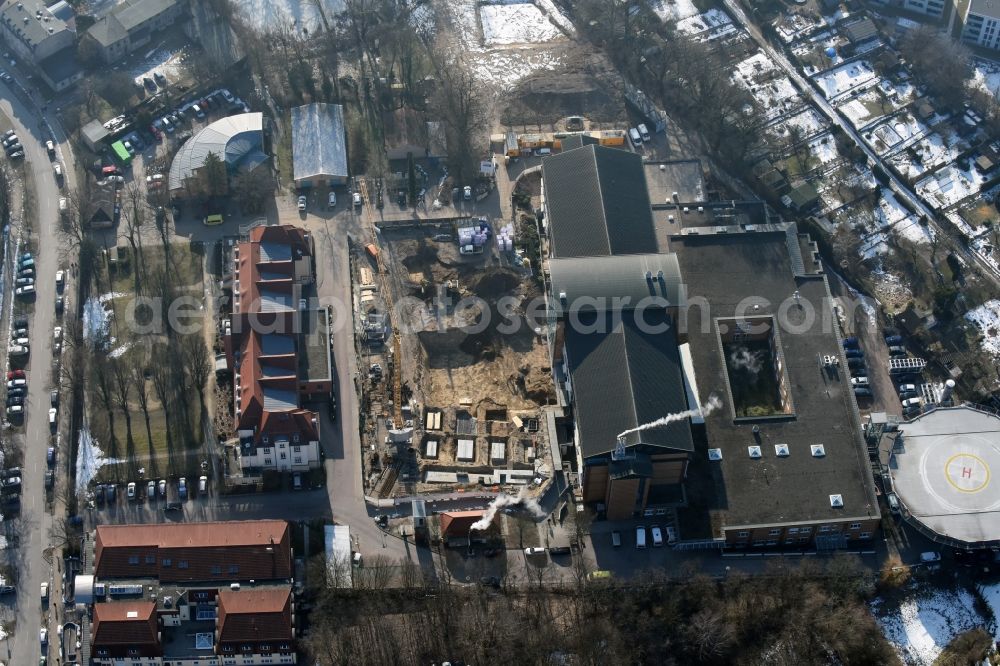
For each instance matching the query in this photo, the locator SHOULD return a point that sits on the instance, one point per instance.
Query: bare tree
(136, 360)
(198, 362)
(122, 390)
(161, 377)
(459, 104)
(134, 216)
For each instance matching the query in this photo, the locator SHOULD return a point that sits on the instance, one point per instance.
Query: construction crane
(397, 389)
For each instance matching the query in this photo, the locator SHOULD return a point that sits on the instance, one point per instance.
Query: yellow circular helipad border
(979, 460)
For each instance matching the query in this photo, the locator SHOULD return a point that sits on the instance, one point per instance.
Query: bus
(213, 220)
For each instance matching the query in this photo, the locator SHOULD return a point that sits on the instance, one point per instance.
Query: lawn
(979, 213)
(186, 267)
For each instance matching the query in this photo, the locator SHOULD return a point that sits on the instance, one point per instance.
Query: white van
(542, 152)
(633, 134)
(657, 536)
(643, 132)
(640, 537)
(910, 402)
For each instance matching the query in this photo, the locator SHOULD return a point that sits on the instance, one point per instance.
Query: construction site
(458, 374)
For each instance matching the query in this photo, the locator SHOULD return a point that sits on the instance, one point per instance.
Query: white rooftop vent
(781, 450)
(836, 501)
(663, 167)
(715, 454)
(817, 450)
(132, 614)
(754, 451)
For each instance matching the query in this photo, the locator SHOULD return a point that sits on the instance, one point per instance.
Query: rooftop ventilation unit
(781, 450)
(754, 451)
(715, 454)
(663, 167)
(817, 450)
(670, 218)
(836, 501)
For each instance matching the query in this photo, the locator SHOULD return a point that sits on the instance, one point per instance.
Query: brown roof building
(279, 349)
(258, 621)
(125, 629)
(225, 551)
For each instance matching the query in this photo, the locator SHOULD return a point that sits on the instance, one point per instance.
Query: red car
(15, 374)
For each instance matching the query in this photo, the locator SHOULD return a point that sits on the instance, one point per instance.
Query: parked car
(894, 339)
(50, 456)
(109, 493)
(302, 202)
(850, 343)
(912, 388)
(467, 192)
(15, 374)
(896, 350)
(331, 200)
(173, 506)
(17, 381)
(24, 281)
(159, 78)
(15, 400)
(16, 155)
(15, 411)
(151, 490)
(911, 402)
(862, 391)
(854, 353)
(50, 147)
(130, 491)
(859, 381)
(536, 550)
(53, 418)
(182, 491)
(60, 279)
(356, 198)
(54, 398)
(930, 556)
(163, 487)
(855, 362)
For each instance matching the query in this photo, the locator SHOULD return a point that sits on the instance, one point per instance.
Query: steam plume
(505, 500)
(713, 404)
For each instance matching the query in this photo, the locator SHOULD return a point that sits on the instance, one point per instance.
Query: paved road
(898, 186)
(35, 521)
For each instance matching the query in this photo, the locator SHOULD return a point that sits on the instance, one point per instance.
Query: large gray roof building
(596, 203)
(32, 31)
(132, 24)
(319, 148)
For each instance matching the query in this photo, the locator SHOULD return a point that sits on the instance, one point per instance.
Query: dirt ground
(455, 333)
(587, 87)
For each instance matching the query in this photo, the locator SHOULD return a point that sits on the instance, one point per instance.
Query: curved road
(43, 234)
(897, 185)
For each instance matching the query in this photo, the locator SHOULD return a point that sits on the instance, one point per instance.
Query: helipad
(944, 471)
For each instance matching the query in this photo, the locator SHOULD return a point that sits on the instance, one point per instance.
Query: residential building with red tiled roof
(277, 343)
(197, 552)
(258, 621)
(455, 527)
(191, 594)
(124, 630)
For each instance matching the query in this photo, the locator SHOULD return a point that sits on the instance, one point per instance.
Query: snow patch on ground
(89, 460)
(986, 75)
(521, 23)
(295, 15)
(923, 624)
(503, 69)
(846, 78)
(712, 24)
(987, 319)
(808, 122)
(96, 322)
(950, 185)
(674, 10)
(164, 61)
(824, 148)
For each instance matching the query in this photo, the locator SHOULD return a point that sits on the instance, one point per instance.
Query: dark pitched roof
(597, 203)
(860, 31)
(255, 615)
(459, 523)
(623, 377)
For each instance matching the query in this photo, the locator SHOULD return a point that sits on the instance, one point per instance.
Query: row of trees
(811, 614)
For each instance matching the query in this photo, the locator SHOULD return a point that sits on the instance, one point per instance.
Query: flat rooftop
(942, 467)
(756, 272)
(683, 177)
(314, 361)
(672, 217)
